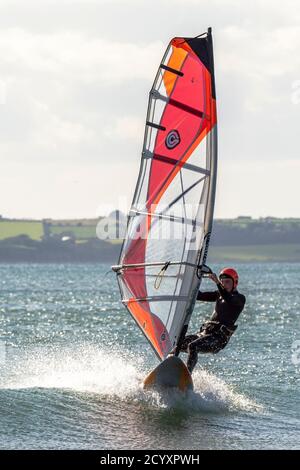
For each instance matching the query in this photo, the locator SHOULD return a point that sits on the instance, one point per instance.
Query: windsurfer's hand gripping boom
(214, 278)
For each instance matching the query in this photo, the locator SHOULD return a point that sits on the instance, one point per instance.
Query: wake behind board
(171, 373)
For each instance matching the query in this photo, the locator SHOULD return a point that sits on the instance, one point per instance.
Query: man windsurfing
(215, 333)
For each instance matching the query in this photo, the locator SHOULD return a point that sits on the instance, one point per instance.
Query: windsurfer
(215, 333)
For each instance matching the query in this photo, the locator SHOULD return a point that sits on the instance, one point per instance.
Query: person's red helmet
(230, 272)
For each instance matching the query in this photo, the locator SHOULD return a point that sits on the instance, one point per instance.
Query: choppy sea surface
(72, 361)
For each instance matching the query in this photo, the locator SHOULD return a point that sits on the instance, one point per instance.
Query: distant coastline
(74, 241)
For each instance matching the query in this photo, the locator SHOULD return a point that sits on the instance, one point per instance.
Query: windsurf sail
(170, 220)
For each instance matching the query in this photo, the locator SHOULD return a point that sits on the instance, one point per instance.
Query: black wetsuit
(214, 334)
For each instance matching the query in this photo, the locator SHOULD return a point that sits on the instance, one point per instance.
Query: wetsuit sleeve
(228, 297)
(208, 296)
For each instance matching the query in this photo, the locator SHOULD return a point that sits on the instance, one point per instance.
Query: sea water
(72, 361)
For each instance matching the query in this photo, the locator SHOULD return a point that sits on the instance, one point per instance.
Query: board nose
(170, 373)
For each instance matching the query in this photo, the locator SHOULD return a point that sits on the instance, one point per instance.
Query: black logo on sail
(172, 139)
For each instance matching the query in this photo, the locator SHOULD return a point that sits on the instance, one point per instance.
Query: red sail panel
(192, 120)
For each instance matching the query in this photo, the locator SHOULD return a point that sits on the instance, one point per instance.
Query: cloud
(126, 127)
(72, 55)
(258, 188)
(75, 77)
(43, 75)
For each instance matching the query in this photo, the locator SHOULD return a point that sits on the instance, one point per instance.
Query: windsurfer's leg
(184, 345)
(192, 359)
(187, 340)
(203, 344)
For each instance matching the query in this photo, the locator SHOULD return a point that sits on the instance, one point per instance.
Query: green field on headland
(14, 228)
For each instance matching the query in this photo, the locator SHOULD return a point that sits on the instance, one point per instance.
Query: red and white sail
(170, 220)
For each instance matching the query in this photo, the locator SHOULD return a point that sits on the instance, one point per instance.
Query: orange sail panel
(170, 220)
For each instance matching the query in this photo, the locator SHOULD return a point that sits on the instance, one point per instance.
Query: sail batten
(172, 209)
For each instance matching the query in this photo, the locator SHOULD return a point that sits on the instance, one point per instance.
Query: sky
(74, 82)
